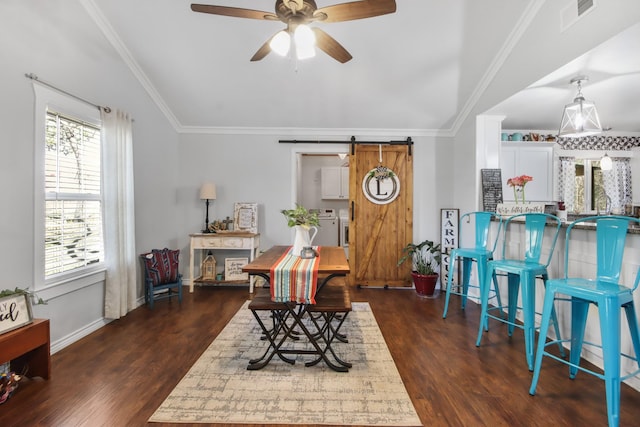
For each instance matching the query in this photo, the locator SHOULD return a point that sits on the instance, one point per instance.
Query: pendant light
(580, 118)
(605, 163)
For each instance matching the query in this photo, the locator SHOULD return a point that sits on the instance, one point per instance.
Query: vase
(303, 237)
(425, 284)
(518, 193)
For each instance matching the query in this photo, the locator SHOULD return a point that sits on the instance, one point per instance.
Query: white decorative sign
(511, 209)
(15, 311)
(245, 217)
(449, 225)
(381, 190)
(233, 269)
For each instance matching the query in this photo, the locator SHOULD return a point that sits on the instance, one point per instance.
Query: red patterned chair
(161, 275)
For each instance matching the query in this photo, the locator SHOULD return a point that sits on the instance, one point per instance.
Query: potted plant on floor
(425, 258)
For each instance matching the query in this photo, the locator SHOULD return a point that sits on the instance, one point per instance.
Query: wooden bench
(331, 298)
(327, 315)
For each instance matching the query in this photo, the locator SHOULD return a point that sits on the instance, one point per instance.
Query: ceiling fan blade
(264, 50)
(233, 11)
(357, 10)
(330, 46)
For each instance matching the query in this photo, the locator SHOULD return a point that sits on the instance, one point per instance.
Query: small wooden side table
(28, 347)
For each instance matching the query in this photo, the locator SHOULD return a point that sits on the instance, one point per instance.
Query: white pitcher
(303, 238)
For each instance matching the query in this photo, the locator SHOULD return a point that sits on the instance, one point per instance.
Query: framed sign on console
(245, 217)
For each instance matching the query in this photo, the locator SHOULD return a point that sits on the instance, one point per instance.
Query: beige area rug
(219, 389)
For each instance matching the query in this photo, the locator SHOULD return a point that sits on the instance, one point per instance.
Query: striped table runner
(294, 278)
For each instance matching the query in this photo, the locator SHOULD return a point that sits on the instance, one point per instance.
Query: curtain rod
(34, 77)
(408, 142)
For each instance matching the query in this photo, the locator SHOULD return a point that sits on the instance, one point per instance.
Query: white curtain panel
(119, 237)
(617, 183)
(566, 182)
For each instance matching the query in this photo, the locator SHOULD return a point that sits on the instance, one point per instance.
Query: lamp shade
(208, 191)
(605, 163)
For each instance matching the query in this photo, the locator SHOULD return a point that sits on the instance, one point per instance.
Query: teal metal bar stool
(521, 274)
(605, 292)
(480, 253)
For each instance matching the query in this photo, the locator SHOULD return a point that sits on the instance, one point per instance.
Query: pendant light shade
(580, 118)
(605, 163)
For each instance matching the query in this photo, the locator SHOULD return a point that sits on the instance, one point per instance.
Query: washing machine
(343, 224)
(328, 230)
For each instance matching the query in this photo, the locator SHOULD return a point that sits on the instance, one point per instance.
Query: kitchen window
(587, 189)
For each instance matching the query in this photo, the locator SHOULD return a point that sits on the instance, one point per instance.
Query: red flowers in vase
(518, 183)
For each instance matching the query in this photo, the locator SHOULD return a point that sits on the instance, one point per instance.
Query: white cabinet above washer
(334, 182)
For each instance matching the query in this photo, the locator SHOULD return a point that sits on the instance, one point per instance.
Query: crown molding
(103, 24)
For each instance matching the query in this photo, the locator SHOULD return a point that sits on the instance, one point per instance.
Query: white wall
(58, 41)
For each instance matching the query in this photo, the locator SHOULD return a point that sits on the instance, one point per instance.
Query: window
(68, 203)
(589, 187)
(73, 208)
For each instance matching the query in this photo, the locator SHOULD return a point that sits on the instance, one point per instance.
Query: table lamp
(207, 192)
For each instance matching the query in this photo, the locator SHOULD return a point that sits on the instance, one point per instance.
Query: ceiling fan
(297, 14)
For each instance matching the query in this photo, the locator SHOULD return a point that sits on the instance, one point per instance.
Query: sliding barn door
(381, 215)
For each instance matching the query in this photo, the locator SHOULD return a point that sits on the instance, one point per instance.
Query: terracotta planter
(425, 284)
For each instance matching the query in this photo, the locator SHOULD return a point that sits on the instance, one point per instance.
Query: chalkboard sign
(491, 189)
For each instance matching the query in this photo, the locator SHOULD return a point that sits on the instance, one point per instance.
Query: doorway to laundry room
(323, 185)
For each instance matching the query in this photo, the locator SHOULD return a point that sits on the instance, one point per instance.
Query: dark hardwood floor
(120, 374)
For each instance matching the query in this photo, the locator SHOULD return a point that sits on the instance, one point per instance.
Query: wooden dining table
(333, 263)
(326, 316)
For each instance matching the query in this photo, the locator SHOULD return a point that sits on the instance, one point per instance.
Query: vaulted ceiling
(415, 69)
(613, 69)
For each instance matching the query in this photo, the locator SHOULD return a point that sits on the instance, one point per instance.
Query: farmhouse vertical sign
(449, 224)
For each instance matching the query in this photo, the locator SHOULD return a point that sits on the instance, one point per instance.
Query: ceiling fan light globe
(305, 41)
(281, 43)
(304, 36)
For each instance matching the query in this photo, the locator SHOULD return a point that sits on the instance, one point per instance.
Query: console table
(232, 240)
(28, 347)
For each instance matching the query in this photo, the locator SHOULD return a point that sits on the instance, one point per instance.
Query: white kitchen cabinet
(528, 158)
(334, 182)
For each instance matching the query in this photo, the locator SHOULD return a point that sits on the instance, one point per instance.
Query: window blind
(73, 196)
